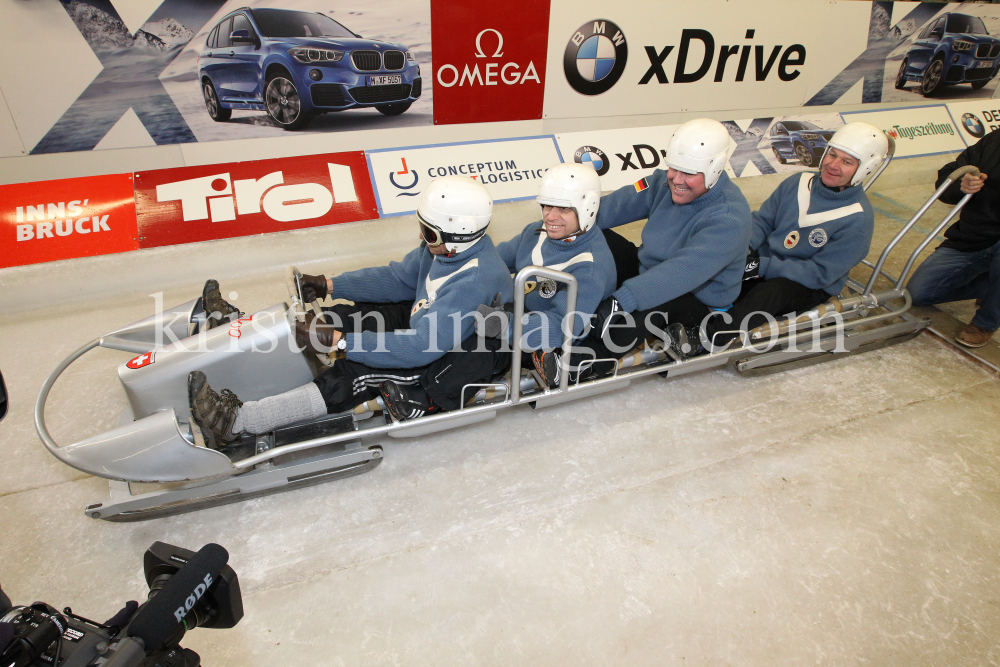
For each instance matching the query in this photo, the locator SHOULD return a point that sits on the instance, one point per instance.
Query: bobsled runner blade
(758, 366)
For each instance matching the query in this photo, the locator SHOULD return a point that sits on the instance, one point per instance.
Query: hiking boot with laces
(213, 413)
(217, 309)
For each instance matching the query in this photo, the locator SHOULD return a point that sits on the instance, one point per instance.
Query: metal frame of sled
(159, 449)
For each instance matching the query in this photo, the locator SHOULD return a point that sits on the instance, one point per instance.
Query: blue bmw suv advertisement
(953, 48)
(295, 64)
(798, 140)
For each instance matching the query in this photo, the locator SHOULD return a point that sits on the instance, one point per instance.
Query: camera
(186, 590)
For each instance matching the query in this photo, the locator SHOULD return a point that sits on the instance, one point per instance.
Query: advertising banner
(486, 67)
(510, 168)
(621, 157)
(652, 56)
(920, 50)
(975, 119)
(74, 217)
(916, 130)
(220, 201)
(178, 71)
(787, 144)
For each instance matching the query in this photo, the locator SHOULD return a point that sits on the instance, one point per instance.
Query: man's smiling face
(685, 188)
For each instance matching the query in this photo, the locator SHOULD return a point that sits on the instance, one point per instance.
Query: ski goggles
(431, 234)
(434, 236)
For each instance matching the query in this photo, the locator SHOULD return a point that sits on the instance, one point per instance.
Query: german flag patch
(641, 185)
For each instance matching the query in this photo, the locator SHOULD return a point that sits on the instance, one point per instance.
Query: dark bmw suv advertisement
(295, 64)
(798, 140)
(953, 48)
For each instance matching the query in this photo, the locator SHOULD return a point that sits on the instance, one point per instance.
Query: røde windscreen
(157, 620)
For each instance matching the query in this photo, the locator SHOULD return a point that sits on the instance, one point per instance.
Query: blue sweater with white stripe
(811, 234)
(587, 257)
(446, 292)
(699, 247)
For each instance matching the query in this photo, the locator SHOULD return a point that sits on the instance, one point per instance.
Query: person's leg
(444, 380)
(950, 275)
(777, 297)
(363, 316)
(626, 255)
(621, 332)
(348, 383)
(987, 316)
(222, 417)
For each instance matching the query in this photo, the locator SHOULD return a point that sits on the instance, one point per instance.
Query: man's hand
(495, 321)
(972, 184)
(314, 287)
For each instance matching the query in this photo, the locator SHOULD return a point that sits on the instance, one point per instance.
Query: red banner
(218, 201)
(73, 217)
(484, 69)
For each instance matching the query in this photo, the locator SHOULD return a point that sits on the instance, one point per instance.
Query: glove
(497, 325)
(313, 287)
(314, 335)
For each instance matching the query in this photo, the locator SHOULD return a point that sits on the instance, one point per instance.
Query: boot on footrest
(217, 309)
(405, 403)
(214, 414)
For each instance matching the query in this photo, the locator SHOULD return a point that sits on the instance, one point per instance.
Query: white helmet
(454, 210)
(863, 141)
(700, 146)
(572, 185)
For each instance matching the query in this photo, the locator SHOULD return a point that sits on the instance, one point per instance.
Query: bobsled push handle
(43, 395)
(571, 287)
(954, 176)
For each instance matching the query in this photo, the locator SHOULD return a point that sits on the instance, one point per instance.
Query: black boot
(214, 414)
(684, 341)
(405, 403)
(547, 366)
(217, 309)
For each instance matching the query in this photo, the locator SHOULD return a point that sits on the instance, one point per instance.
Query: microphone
(158, 619)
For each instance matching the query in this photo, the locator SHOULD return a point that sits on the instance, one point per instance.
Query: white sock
(298, 405)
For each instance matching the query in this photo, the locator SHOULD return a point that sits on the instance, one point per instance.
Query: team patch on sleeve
(641, 185)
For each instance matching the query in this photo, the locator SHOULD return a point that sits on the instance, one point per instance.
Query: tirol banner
(185, 71)
(916, 130)
(218, 201)
(510, 168)
(74, 217)
(487, 67)
(652, 56)
(975, 119)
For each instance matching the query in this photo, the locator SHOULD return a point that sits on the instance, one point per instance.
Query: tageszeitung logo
(593, 156)
(973, 125)
(911, 132)
(595, 57)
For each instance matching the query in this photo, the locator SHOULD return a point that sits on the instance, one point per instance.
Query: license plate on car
(982, 64)
(385, 80)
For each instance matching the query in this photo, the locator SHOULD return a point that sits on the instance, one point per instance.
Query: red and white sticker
(141, 361)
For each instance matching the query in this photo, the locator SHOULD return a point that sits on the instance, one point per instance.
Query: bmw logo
(593, 156)
(973, 125)
(595, 57)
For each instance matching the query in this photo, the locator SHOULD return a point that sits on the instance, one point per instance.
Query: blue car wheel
(215, 109)
(901, 76)
(281, 98)
(933, 77)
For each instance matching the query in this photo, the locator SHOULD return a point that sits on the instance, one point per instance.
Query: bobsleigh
(154, 442)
